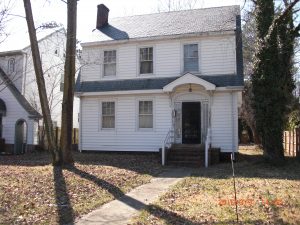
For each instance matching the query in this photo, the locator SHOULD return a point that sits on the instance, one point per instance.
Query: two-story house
(20, 112)
(164, 77)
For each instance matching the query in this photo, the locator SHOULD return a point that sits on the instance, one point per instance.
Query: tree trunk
(56, 156)
(69, 83)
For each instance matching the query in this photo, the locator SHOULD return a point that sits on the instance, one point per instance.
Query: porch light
(190, 89)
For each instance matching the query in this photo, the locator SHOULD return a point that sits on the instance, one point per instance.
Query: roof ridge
(176, 11)
(19, 97)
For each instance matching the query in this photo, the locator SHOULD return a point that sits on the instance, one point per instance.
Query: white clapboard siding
(168, 58)
(14, 112)
(17, 75)
(224, 122)
(127, 61)
(216, 56)
(126, 136)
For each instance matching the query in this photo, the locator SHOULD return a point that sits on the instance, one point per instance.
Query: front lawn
(266, 195)
(32, 192)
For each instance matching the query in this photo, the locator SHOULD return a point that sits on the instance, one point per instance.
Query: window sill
(145, 129)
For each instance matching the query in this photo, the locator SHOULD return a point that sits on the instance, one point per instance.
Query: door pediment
(189, 78)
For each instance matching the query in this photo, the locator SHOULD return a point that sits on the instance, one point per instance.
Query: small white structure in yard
(162, 80)
(20, 111)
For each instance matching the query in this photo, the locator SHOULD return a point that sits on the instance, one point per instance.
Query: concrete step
(185, 163)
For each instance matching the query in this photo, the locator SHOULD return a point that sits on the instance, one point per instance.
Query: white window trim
(100, 128)
(182, 56)
(137, 114)
(109, 77)
(9, 66)
(138, 60)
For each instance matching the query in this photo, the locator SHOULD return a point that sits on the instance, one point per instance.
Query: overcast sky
(55, 10)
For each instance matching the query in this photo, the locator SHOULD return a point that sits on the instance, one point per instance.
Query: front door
(191, 123)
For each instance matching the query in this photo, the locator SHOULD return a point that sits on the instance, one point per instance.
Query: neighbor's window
(146, 60)
(11, 65)
(108, 115)
(191, 60)
(145, 114)
(109, 63)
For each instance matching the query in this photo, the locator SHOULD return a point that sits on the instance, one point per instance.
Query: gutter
(162, 37)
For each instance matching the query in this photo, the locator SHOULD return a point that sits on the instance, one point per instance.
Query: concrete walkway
(120, 211)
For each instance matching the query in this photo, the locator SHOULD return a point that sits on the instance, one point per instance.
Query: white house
(161, 78)
(20, 112)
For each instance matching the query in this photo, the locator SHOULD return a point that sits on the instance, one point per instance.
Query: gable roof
(20, 98)
(16, 42)
(168, 23)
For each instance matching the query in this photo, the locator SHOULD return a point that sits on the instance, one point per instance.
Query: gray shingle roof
(150, 84)
(168, 23)
(20, 98)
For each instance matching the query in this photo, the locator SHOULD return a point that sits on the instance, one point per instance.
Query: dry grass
(33, 192)
(266, 195)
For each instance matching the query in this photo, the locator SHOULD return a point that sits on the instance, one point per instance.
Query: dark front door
(191, 123)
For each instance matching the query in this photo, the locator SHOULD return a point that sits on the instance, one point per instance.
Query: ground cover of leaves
(33, 192)
(266, 194)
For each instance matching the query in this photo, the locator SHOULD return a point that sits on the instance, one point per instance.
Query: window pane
(110, 56)
(191, 64)
(108, 115)
(110, 69)
(146, 60)
(109, 63)
(145, 114)
(191, 61)
(146, 67)
(108, 122)
(145, 121)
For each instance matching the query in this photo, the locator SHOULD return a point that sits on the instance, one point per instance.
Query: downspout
(208, 135)
(80, 125)
(232, 126)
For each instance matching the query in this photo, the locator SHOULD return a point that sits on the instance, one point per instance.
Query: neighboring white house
(20, 114)
(148, 74)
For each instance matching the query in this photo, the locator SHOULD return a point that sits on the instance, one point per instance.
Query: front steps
(191, 155)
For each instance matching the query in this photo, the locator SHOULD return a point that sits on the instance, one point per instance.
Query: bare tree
(69, 83)
(56, 156)
(4, 13)
(176, 5)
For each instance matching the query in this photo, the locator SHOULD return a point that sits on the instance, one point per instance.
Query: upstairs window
(11, 65)
(146, 60)
(109, 68)
(145, 114)
(108, 115)
(191, 58)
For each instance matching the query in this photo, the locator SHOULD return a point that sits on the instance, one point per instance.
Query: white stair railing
(207, 145)
(166, 144)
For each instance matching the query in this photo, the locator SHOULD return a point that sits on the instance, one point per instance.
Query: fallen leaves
(31, 193)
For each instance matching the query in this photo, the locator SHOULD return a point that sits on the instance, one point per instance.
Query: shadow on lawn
(253, 167)
(66, 214)
(64, 207)
(133, 203)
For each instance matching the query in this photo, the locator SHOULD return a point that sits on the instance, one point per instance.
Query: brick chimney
(102, 16)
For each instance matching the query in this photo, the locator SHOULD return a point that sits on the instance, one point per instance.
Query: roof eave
(161, 37)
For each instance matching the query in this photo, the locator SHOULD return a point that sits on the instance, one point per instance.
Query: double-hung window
(108, 115)
(110, 63)
(146, 60)
(145, 114)
(191, 58)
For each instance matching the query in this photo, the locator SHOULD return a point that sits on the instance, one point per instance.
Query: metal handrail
(167, 143)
